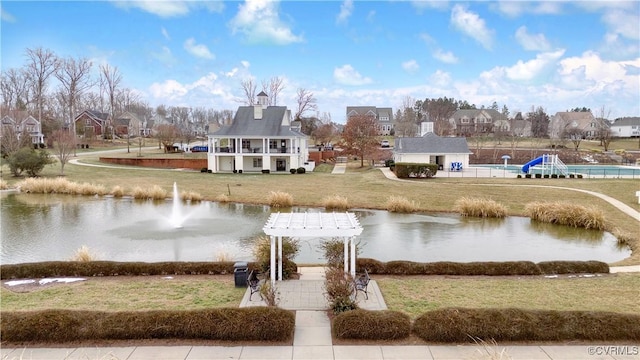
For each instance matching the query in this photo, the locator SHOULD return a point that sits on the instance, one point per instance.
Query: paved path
(312, 339)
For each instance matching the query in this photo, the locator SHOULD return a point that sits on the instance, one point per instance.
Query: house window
(273, 144)
(465, 121)
(246, 144)
(257, 163)
(384, 118)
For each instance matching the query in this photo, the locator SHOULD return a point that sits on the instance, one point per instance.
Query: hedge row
(112, 268)
(481, 268)
(460, 325)
(229, 324)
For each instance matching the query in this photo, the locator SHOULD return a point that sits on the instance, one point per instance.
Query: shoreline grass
(478, 207)
(563, 213)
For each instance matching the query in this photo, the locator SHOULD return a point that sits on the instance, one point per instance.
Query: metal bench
(254, 284)
(361, 284)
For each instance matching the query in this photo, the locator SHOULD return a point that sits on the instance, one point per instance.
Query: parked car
(384, 143)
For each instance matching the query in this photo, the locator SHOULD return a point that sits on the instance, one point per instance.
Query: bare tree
(575, 135)
(74, 79)
(273, 88)
(14, 85)
(41, 64)
(360, 136)
(110, 78)
(306, 102)
(324, 133)
(13, 140)
(64, 144)
(406, 118)
(249, 88)
(167, 135)
(604, 130)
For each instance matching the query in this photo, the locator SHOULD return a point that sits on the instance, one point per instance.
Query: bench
(254, 284)
(361, 284)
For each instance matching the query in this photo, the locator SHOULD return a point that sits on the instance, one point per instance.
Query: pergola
(312, 224)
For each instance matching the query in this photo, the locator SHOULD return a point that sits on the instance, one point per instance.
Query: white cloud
(472, 25)
(623, 22)
(164, 56)
(594, 68)
(532, 42)
(422, 5)
(445, 56)
(5, 16)
(165, 33)
(411, 66)
(169, 8)
(428, 39)
(259, 22)
(245, 64)
(517, 8)
(347, 75)
(346, 9)
(529, 70)
(440, 78)
(168, 90)
(198, 50)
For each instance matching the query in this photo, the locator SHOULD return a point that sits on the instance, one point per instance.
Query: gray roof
(244, 124)
(627, 121)
(431, 143)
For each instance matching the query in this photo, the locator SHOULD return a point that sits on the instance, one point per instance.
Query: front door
(281, 165)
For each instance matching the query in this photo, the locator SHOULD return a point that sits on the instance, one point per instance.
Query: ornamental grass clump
(117, 191)
(45, 186)
(335, 202)
(562, 213)
(338, 288)
(84, 254)
(280, 199)
(154, 193)
(478, 207)
(190, 196)
(401, 204)
(223, 198)
(3, 185)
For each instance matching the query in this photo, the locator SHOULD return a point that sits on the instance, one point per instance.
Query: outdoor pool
(600, 171)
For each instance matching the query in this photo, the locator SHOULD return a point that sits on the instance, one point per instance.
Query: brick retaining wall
(195, 164)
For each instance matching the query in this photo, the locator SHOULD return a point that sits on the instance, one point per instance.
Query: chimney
(257, 112)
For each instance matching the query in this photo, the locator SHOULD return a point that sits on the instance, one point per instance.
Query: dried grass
(562, 213)
(3, 185)
(335, 202)
(401, 204)
(117, 191)
(280, 199)
(223, 198)
(154, 193)
(60, 186)
(478, 207)
(84, 254)
(190, 196)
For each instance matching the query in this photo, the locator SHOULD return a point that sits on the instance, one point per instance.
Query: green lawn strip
(416, 295)
(133, 294)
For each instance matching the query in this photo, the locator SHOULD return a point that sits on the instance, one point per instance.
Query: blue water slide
(534, 162)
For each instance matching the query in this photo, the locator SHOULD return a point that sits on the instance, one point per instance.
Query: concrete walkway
(313, 341)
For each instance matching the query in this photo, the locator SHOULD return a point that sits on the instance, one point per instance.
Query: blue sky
(557, 54)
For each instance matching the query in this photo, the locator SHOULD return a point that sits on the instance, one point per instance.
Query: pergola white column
(312, 224)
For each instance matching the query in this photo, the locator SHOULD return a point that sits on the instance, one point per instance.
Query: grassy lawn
(129, 294)
(416, 295)
(410, 294)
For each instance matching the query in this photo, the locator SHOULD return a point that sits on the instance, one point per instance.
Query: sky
(556, 54)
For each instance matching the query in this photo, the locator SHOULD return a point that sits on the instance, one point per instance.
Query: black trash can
(240, 275)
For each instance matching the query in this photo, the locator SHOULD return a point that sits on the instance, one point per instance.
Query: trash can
(240, 275)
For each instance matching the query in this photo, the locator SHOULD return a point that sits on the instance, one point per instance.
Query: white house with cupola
(260, 138)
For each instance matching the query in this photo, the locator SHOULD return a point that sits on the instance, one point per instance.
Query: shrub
(401, 204)
(3, 185)
(562, 176)
(203, 170)
(269, 294)
(279, 199)
(334, 251)
(338, 287)
(301, 170)
(538, 176)
(262, 254)
(528, 176)
(571, 176)
(372, 325)
(293, 171)
(579, 176)
(546, 176)
(28, 160)
(566, 214)
(84, 254)
(335, 202)
(464, 325)
(519, 176)
(478, 207)
(389, 163)
(117, 191)
(229, 324)
(415, 170)
(554, 176)
(573, 267)
(190, 196)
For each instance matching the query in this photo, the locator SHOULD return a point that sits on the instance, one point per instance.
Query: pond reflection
(50, 227)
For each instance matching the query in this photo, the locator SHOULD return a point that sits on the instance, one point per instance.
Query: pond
(52, 227)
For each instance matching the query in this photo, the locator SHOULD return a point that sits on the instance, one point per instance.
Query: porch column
(272, 264)
(346, 254)
(353, 256)
(280, 258)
